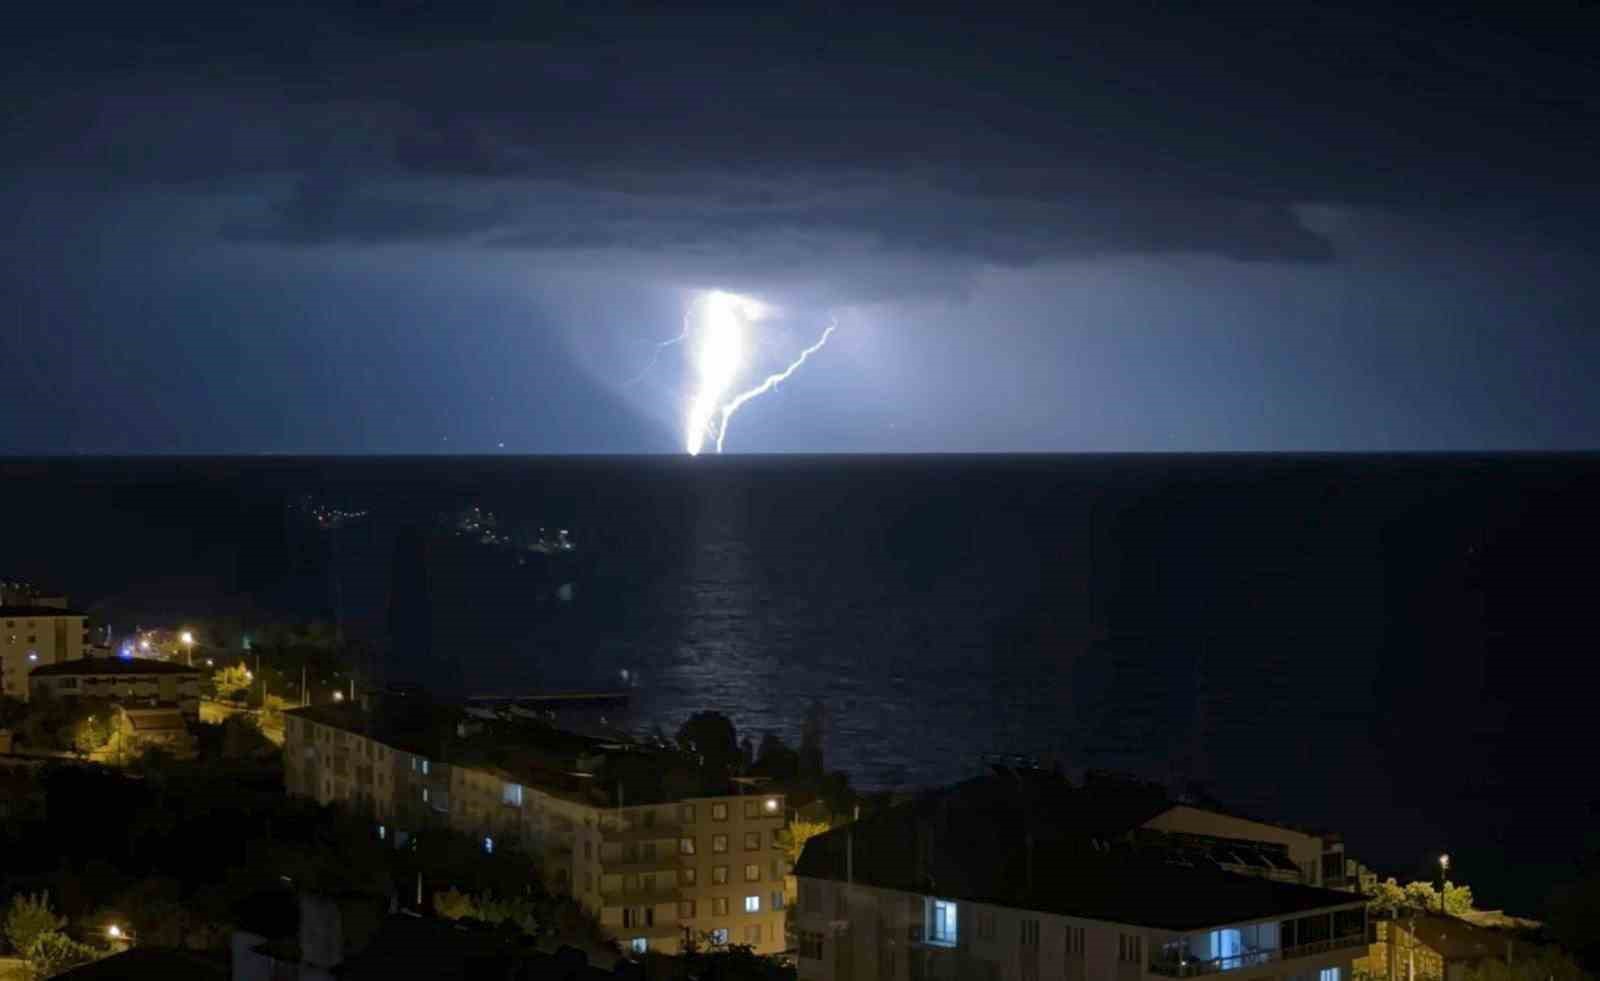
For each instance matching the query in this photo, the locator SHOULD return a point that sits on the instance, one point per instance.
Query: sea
(1400, 648)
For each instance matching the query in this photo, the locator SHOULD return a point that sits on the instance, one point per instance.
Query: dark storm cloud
(1024, 143)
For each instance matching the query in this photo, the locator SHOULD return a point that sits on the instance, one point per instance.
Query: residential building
(1022, 877)
(1423, 946)
(36, 634)
(1220, 836)
(627, 830)
(128, 681)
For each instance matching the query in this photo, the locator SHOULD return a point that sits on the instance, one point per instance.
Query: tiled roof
(38, 611)
(119, 666)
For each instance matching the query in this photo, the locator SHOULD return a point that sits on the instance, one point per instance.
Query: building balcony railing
(640, 897)
(655, 832)
(661, 863)
(1217, 965)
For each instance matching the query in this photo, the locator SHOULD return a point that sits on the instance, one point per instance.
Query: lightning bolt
(655, 354)
(772, 381)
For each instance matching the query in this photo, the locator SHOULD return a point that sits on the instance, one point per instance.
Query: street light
(1444, 879)
(188, 646)
(338, 695)
(114, 932)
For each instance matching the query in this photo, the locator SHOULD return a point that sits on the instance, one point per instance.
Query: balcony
(655, 832)
(1193, 968)
(668, 862)
(641, 897)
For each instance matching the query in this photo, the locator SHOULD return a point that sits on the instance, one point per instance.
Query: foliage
(28, 918)
(1389, 897)
(795, 836)
(733, 962)
(13, 711)
(1531, 964)
(1385, 897)
(811, 730)
(90, 733)
(52, 953)
(231, 680)
(242, 739)
(520, 912)
(1574, 913)
(711, 736)
(775, 759)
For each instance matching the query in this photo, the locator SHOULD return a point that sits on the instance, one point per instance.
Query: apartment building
(131, 682)
(35, 634)
(996, 879)
(620, 827)
(1214, 835)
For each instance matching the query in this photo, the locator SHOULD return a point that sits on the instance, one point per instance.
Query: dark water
(1401, 648)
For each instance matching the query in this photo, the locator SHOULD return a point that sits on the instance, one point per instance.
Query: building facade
(654, 872)
(1023, 876)
(853, 932)
(34, 635)
(131, 682)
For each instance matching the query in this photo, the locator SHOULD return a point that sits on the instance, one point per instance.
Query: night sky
(460, 227)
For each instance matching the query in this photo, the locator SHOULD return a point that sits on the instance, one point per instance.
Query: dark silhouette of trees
(711, 737)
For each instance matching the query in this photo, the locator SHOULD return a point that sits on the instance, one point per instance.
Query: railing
(1217, 965)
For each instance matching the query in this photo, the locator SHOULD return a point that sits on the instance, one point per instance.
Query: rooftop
(119, 666)
(604, 772)
(34, 610)
(1041, 844)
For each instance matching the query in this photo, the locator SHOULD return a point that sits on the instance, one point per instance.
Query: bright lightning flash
(717, 348)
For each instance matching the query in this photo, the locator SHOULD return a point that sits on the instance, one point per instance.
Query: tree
(90, 733)
(52, 953)
(1531, 964)
(28, 918)
(1385, 897)
(1389, 897)
(712, 737)
(776, 760)
(231, 680)
(453, 904)
(811, 740)
(242, 739)
(794, 837)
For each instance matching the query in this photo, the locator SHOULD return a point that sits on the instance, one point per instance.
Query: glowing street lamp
(114, 932)
(338, 696)
(1444, 879)
(188, 646)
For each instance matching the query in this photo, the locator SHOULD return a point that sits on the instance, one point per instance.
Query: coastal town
(334, 829)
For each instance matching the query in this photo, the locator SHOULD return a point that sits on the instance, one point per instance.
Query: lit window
(719, 937)
(719, 843)
(942, 922)
(424, 767)
(685, 846)
(752, 873)
(719, 874)
(1329, 974)
(639, 945)
(511, 793)
(383, 832)
(719, 812)
(424, 795)
(752, 904)
(752, 841)
(488, 845)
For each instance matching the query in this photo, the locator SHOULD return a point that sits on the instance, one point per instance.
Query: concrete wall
(871, 940)
(581, 846)
(49, 639)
